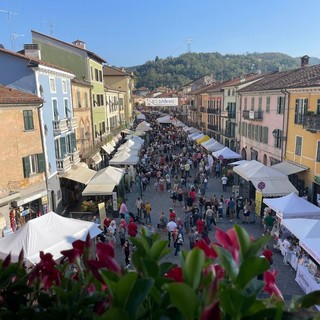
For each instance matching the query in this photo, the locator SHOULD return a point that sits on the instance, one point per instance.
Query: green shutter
(26, 167)
(63, 147)
(73, 142)
(41, 163)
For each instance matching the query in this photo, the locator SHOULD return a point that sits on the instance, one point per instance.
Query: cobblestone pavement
(161, 202)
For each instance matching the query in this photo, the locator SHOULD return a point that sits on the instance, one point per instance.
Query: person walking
(178, 242)
(132, 228)
(231, 206)
(139, 207)
(122, 233)
(224, 182)
(126, 250)
(171, 226)
(147, 209)
(209, 217)
(123, 209)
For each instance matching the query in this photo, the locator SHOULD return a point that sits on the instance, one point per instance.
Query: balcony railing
(72, 123)
(74, 157)
(311, 122)
(203, 109)
(193, 108)
(60, 126)
(212, 127)
(228, 133)
(63, 165)
(228, 114)
(252, 115)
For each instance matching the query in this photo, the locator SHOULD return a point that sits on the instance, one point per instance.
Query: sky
(128, 33)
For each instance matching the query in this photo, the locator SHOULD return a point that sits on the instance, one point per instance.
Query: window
(268, 104)
(92, 74)
(298, 146)
(52, 85)
(264, 134)
(78, 99)
(100, 76)
(300, 110)
(67, 111)
(260, 103)
(318, 106)
(96, 73)
(33, 164)
(245, 103)
(55, 109)
(229, 92)
(71, 142)
(60, 148)
(64, 86)
(280, 105)
(86, 100)
(277, 138)
(252, 103)
(318, 152)
(28, 119)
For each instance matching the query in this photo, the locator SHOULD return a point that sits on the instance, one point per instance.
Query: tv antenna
(10, 14)
(14, 37)
(189, 41)
(51, 27)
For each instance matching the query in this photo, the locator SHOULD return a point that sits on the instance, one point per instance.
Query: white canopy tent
(132, 151)
(79, 173)
(178, 123)
(132, 144)
(198, 136)
(108, 148)
(238, 163)
(193, 135)
(124, 158)
(210, 141)
(104, 182)
(312, 246)
(193, 130)
(226, 153)
(288, 168)
(143, 126)
(141, 116)
(303, 228)
(49, 233)
(292, 206)
(165, 120)
(215, 146)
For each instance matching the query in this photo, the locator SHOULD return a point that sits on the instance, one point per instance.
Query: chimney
(304, 61)
(32, 51)
(79, 43)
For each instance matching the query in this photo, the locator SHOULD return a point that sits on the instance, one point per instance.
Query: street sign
(261, 185)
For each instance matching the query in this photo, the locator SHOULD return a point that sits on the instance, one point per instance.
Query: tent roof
(275, 188)
(288, 168)
(198, 136)
(79, 173)
(165, 119)
(292, 206)
(124, 158)
(226, 153)
(303, 228)
(214, 146)
(312, 246)
(141, 116)
(133, 151)
(132, 144)
(49, 233)
(210, 141)
(237, 163)
(203, 139)
(108, 148)
(143, 126)
(98, 189)
(178, 123)
(193, 130)
(256, 170)
(109, 175)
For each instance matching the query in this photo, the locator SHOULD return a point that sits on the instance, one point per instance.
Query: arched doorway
(244, 154)
(265, 159)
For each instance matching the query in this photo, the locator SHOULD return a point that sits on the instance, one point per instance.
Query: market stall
(226, 153)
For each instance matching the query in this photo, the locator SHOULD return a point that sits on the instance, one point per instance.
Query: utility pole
(10, 14)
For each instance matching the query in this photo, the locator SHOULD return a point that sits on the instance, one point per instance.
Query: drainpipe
(285, 122)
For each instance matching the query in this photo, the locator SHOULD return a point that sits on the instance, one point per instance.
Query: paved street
(162, 202)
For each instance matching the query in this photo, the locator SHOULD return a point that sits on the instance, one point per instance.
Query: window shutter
(26, 167)
(73, 142)
(296, 111)
(41, 164)
(63, 147)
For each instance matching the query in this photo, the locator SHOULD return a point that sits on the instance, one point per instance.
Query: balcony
(228, 133)
(193, 108)
(72, 123)
(211, 111)
(63, 165)
(228, 114)
(74, 157)
(212, 127)
(311, 122)
(252, 115)
(203, 109)
(60, 126)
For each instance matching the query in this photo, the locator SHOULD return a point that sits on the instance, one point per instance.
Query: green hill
(175, 72)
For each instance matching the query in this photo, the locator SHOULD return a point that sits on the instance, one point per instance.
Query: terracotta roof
(33, 61)
(12, 96)
(308, 76)
(90, 53)
(113, 71)
(202, 89)
(81, 82)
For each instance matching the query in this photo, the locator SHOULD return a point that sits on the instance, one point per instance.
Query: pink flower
(76, 251)
(229, 241)
(270, 284)
(212, 311)
(175, 274)
(207, 249)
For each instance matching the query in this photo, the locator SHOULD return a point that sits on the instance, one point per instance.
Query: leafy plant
(212, 282)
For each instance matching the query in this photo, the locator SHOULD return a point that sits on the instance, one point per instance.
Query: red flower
(175, 274)
(76, 252)
(229, 241)
(46, 271)
(105, 255)
(212, 311)
(270, 284)
(207, 249)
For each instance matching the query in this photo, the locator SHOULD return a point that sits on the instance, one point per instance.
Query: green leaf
(150, 268)
(244, 240)
(228, 262)
(115, 313)
(184, 299)
(310, 300)
(137, 295)
(193, 267)
(257, 245)
(231, 302)
(165, 267)
(249, 269)
(125, 286)
(159, 249)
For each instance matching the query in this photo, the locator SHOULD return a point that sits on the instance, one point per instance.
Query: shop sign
(258, 201)
(316, 179)
(44, 199)
(102, 213)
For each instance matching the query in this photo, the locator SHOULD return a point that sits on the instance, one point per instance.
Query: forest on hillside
(176, 72)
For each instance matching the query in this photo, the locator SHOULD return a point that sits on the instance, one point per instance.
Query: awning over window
(275, 188)
(98, 189)
(79, 173)
(108, 148)
(96, 158)
(288, 168)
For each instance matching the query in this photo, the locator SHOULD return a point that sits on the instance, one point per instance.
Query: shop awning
(96, 158)
(98, 189)
(79, 173)
(288, 168)
(108, 148)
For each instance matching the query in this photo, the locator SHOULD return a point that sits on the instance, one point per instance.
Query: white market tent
(191, 130)
(288, 168)
(124, 158)
(312, 246)
(104, 182)
(79, 173)
(198, 136)
(132, 151)
(49, 233)
(215, 146)
(165, 119)
(238, 163)
(141, 116)
(226, 153)
(131, 144)
(178, 123)
(292, 206)
(193, 135)
(143, 126)
(108, 148)
(210, 141)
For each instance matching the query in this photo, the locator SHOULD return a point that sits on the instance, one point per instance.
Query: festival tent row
(191, 130)
(226, 153)
(143, 126)
(49, 233)
(203, 139)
